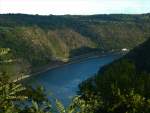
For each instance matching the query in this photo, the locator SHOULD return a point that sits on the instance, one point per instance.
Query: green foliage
(141, 56)
(80, 105)
(129, 102)
(5, 55)
(9, 93)
(123, 86)
(36, 108)
(15, 98)
(4, 51)
(60, 107)
(88, 103)
(9, 65)
(38, 40)
(36, 94)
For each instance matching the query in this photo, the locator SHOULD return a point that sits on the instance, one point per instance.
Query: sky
(75, 7)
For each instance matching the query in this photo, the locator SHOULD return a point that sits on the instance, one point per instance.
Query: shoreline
(73, 61)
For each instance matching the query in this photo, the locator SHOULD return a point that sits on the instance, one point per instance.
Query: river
(63, 81)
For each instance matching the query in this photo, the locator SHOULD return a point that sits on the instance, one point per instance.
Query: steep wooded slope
(38, 40)
(122, 86)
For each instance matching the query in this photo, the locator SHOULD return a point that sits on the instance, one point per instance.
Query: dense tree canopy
(123, 86)
(38, 40)
(28, 41)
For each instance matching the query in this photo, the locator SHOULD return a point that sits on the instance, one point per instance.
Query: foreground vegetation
(123, 86)
(120, 87)
(15, 98)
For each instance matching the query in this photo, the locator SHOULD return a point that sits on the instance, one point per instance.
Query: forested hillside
(28, 41)
(37, 40)
(122, 86)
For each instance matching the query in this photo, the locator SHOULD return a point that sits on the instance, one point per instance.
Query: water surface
(63, 81)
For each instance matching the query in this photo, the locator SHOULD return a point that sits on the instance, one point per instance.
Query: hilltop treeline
(38, 40)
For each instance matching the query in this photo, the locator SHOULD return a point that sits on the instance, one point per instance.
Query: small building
(125, 49)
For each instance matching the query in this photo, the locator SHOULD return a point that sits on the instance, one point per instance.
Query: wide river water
(63, 81)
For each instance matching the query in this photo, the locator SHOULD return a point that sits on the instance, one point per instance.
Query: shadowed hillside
(38, 40)
(122, 86)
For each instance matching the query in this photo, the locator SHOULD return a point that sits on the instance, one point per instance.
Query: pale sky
(75, 7)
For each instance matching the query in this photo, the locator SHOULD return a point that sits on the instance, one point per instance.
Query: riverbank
(71, 61)
(63, 82)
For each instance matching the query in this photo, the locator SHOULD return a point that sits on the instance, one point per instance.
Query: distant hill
(38, 40)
